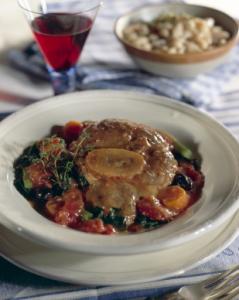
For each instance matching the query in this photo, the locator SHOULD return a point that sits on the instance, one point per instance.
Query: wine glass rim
(100, 3)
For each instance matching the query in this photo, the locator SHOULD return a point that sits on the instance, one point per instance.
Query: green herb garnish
(79, 150)
(62, 171)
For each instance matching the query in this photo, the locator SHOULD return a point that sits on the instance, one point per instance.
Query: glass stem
(63, 81)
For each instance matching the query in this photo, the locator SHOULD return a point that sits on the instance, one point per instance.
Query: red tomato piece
(152, 208)
(92, 226)
(134, 228)
(109, 229)
(38, 176)
(64, 217)
(72, 131)
(53, 205)
(73, 205)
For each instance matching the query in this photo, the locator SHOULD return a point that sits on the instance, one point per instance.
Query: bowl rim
(113, 247)
(186, 58)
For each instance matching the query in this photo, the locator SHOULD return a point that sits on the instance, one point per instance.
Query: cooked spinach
(80, 179)
(40, 196)
(97, 212)
(30, 155)
(113, 217)
(60, 166)
(21, 182)
(146, 222)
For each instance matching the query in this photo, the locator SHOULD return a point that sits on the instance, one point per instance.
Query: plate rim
(227, 225)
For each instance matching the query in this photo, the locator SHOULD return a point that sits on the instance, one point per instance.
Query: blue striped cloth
(200, 92)
(105, 65)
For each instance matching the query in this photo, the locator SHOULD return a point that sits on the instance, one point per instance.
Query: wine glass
(60, 28)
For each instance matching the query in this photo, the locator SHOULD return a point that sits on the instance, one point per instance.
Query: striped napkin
(105, 65)
(200, 92)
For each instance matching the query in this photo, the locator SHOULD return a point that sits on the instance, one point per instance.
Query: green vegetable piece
(183, 150)
(87, 216)
(26, 180)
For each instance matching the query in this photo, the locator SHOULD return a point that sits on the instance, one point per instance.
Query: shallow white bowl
(218, 148)
(178, 65)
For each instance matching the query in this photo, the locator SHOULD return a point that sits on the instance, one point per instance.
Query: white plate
(80, 268)
(219, 150)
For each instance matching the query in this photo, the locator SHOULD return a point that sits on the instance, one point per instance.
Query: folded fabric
(201, 91)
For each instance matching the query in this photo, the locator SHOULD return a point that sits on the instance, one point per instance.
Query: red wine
(61, 38)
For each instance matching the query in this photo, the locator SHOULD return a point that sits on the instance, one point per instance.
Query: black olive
(182, 180)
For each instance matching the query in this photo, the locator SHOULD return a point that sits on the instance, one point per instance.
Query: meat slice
(135, 155)
(112, 162)
(114, 193)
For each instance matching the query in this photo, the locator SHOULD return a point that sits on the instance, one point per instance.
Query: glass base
(63, 81)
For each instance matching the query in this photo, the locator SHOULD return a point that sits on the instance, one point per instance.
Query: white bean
(164, 32)
(192, 47)
(159, 43)
(178, 43)
(222, 42)
(143, 43)
(176, 34)
(153, 37)
(178, 31)
(172, 50)
(165, 48)
(210, 22)
(131, 37)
